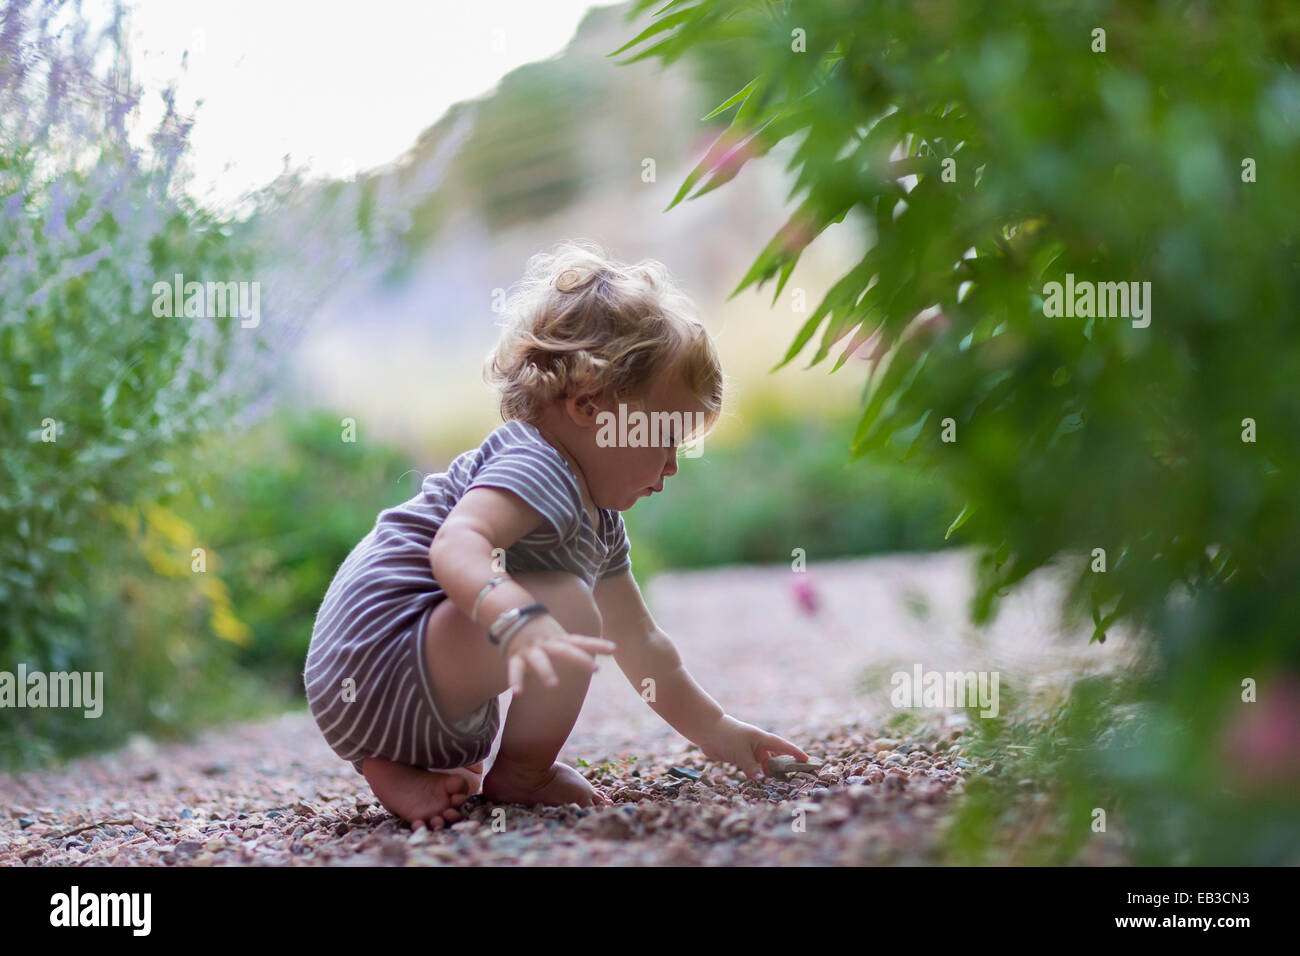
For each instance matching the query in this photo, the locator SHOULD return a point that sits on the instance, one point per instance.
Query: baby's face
(619, 475)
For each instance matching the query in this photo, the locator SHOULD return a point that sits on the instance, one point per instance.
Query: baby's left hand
(746, 746)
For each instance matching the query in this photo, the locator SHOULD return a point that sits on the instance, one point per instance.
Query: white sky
(344, 86)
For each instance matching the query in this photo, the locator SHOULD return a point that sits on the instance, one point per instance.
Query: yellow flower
(167, 543)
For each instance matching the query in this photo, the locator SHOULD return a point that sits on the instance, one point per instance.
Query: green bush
(996, 149)
(282, 506)
(790, 485)
(100, 399)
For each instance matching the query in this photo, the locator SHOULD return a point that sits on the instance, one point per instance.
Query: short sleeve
(539, 479)
(619, 559)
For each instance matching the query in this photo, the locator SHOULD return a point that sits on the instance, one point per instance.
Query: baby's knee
(567, 598)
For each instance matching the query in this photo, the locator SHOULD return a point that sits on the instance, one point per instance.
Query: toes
(450, 815)
(458, 798)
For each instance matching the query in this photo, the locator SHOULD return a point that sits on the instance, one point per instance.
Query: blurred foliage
(100, 398)
(790, 485)
(282, 505)
(100, 395)
(164, 674)
(522, 161)
(1126, 163)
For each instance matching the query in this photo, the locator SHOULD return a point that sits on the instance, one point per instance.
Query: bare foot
(559, 784)
(423, 798)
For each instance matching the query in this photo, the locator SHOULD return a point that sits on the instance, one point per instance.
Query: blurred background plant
(1115, 143)
(798, 486)
(311, 497)
(101, 399)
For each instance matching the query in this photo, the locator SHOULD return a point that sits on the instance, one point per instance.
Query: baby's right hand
(541, 642)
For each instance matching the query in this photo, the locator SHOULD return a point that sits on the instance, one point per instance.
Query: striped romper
(365, 677)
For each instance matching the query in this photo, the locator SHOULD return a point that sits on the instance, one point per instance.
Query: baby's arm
(645, 653)
(485, 519)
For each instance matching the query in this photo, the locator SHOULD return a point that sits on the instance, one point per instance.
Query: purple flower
(1262, 741)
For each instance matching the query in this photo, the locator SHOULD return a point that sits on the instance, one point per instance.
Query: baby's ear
(580, 406)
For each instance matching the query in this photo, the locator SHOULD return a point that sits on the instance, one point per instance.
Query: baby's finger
(779, 745)
(575, 654)
(596, 645)
(542, 664)
(515, 671)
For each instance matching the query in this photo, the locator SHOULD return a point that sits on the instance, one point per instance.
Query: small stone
(187, 814)
(684, 773)
(782, 764)
(25, 822)
(186, 850)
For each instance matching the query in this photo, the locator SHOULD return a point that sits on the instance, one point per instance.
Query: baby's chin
(624, 506)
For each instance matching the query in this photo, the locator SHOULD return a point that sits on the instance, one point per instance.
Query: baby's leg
(465, 669)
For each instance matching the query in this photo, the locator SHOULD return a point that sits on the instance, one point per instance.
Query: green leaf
(739, 96)
(957, 522)
(659, 26)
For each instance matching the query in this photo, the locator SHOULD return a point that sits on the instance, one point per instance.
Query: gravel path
(807, 656)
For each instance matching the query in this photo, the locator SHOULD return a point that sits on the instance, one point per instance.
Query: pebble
(187, 849)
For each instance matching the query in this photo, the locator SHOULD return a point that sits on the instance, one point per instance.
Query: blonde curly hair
(579, 323)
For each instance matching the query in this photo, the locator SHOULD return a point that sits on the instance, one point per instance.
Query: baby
(511, 568)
